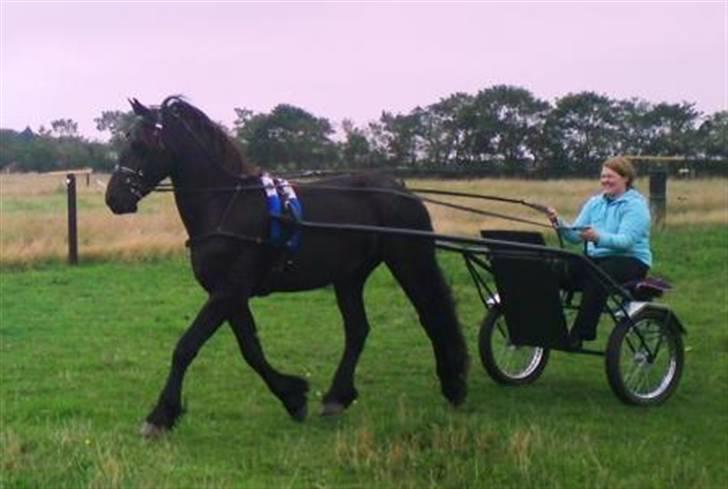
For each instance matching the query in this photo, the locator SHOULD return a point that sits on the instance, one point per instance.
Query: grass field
(84, 351)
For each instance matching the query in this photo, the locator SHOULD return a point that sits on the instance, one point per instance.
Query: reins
(417, 194)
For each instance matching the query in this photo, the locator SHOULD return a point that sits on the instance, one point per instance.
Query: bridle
(134, 178)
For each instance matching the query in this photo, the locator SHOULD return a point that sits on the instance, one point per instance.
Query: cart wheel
(506, 363)
(644, 358)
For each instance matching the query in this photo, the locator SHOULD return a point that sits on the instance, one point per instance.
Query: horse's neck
(203, 195)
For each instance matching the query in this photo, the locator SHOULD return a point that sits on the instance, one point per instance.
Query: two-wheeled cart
(520, 281)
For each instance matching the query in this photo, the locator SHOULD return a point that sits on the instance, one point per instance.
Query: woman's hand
(553, 214)
(589, 234)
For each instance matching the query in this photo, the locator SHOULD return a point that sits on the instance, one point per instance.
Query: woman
(615, 224)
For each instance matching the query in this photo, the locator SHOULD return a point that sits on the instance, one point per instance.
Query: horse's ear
(139, 108)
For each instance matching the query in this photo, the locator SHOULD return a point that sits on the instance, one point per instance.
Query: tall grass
(33, 220)
(33, 214)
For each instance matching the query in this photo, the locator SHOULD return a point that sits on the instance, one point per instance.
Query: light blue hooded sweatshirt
(623, 226)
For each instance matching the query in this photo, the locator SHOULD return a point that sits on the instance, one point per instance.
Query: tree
(712, 136)
(445, 130)
(65, 128)
(401, 137)
(245, 125)
(505, 124)
(671, 129)
(356, 151)
(634, 127)
(288, 137)
(579, 133)
(377, 140)
(117, 124)
(27, 151)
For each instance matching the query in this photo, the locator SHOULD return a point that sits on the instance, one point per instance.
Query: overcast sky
(349, 60)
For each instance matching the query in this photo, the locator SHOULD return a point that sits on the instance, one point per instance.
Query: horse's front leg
(168, 408)
(291, 390)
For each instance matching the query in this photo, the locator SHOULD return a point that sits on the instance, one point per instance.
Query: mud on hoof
(151, 431)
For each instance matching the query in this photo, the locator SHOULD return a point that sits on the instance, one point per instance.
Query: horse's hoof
(300, 414)
(151, 431)
(332, 409)
(455, 393)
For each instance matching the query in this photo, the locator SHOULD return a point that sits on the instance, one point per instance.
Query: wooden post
(658, 194)
(72, 222)
(658, 184)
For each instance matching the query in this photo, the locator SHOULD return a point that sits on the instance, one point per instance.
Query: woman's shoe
(575, 340)
(591, 336)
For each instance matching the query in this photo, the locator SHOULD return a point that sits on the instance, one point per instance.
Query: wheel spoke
(647, 359)
(505, 362)
(501, 328)
(632, 372)
(515, 361)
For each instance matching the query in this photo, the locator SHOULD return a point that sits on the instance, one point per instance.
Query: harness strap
(285, 211)
(225, 234)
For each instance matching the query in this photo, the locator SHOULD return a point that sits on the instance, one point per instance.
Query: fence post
(72, 222)
(658, 194)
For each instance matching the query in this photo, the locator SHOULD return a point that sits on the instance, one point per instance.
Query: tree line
(501, 130)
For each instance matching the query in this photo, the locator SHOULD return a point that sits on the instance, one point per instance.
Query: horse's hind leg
(289, 389)
(414, 266)
(356, 328)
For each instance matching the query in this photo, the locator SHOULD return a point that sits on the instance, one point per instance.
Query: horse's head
(144, 161)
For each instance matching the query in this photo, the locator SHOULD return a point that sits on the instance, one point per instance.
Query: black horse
(233, 260)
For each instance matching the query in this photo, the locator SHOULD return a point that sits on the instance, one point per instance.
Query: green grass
(85, 350)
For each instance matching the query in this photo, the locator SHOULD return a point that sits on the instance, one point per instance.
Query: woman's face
(612, 182)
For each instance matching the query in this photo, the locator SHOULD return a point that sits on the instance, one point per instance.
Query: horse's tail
(413, 264)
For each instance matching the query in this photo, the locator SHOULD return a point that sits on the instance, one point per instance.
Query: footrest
(648, 288)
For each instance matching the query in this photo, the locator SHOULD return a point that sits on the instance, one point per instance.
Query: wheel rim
(517, 362)
(648, 360)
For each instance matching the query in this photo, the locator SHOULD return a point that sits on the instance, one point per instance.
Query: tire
(506, 363)
(633, 375)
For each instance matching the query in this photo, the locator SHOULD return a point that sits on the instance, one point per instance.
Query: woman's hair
(623, 167)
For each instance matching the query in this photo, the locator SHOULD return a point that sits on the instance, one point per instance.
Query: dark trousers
(594, 296)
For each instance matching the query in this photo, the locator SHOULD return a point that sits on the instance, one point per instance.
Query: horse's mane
(189, 122)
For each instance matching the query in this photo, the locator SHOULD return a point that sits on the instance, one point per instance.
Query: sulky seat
(528, 289)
